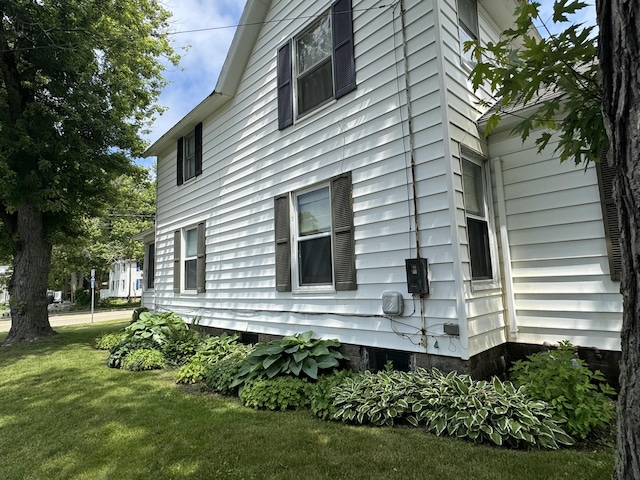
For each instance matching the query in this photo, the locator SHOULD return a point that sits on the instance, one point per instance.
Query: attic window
(189, 155)
(316, 65)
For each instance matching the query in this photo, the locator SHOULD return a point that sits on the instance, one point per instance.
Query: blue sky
(203, 53)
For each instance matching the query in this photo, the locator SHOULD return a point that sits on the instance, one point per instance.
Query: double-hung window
(477, 214)
(467, 25)
(189, 155)
(314, 238)
(317, 64)
(189, 259)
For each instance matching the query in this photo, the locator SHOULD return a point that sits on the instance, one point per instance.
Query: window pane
(189, 157)
(478, 231)
(315, 87)
(315, 261)
(473, 190)
(468, 17)
(190, 274)
(151, 265)
(314, 212)
(314, 45)
(191, 243)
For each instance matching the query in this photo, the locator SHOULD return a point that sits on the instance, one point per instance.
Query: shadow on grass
(65, 415)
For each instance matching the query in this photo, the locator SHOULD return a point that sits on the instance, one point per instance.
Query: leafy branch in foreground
(558, 74)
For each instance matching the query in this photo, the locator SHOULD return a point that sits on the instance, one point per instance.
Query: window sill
(329, 289)
(483, 285)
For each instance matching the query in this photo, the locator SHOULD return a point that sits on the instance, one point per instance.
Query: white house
(336, 180)
(125, 279)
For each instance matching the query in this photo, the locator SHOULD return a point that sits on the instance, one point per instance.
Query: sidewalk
(77, 318)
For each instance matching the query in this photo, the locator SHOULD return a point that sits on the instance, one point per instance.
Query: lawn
(65, 415)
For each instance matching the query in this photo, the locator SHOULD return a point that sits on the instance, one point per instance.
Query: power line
(198, 30)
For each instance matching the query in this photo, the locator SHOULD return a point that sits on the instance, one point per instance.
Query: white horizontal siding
(247, 161)
(562, 285)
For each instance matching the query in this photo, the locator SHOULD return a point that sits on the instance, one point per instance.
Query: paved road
(76, 318)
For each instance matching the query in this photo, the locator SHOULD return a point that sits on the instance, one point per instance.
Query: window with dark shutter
(606, 175)
(316, 243)
(150, 270)
(324, 66)
(189, 155)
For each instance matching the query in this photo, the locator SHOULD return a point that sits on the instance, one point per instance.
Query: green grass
(65, 415)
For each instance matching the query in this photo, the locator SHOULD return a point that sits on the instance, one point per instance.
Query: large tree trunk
(619, 22)
(28, 286)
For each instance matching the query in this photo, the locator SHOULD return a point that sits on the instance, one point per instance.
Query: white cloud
(203, 52)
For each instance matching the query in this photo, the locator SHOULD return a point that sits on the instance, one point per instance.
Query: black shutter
(201, 259)
(179, 161)
(283, 247)
(344, 261)
(344, 69)
(285, 92)
(177, 241)
(606, 175)
(198, 152)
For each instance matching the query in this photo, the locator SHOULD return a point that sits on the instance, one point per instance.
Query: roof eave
(226, 87)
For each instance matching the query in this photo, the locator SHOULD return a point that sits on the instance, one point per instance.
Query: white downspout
(506, 252)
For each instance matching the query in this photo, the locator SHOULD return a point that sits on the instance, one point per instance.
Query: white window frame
(295, 66)
(187, 258)
(189, 158)
(464, 35)
(488, 217)
(295, 239)
(149, 273)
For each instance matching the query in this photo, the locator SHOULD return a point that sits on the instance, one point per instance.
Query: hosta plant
(219, 376)
(108, 340)
(298, 356)
(454, 405)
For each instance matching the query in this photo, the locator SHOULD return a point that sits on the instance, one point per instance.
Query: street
(77, 318)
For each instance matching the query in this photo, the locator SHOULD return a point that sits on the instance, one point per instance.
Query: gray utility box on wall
(417, 275)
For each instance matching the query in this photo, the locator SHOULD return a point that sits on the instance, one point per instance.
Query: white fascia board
(226, 87)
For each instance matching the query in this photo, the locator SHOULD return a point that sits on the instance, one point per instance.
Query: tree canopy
(79, 81)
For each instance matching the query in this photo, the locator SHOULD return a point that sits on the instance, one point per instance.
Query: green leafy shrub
(82, 298)
(321, 398)
(280, 393)
(144, 359)
(108, 340)
(452, 405)
(209, 350)
(298, 356)
(135, 316)
(124, 348)
(569, 387)
(220, 375)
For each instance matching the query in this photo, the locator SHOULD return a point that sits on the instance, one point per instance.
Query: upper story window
(467, 25)
(316, 65)
(189, 155)
(478, 219)
(315, 244)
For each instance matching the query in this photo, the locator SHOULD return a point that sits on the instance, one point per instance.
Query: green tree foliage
(559, 71)
(109, 236)
(78, 81)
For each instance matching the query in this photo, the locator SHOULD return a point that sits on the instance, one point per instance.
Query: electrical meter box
(417, 275)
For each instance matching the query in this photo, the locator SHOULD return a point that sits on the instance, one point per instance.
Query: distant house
(148, 277)
(4, 292)
(125, 279)
(337, 180)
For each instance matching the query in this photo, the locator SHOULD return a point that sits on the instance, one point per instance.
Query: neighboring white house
(4, 293)
(148, 277)
(337, 180)
(125, 279)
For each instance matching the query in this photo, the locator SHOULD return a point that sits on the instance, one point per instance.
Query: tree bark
(619, 41)
(28, 286)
